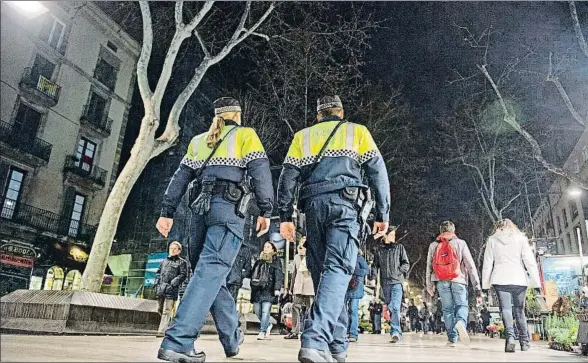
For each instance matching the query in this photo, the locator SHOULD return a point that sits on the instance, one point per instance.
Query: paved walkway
(370, 348)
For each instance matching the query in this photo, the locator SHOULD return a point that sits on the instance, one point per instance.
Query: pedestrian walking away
(172, 272)
(215, 165)
(302, 290)
(267, 280)
(413, 316)
(391, 261)
(510, 267)
(376, 316)
(449, 268)
(326, 161)
(354, 294)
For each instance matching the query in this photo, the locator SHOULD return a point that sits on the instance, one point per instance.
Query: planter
(535, 337)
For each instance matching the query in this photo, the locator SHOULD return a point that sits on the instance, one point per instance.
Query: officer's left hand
(380, 229)
(263, 225)
(288, 230)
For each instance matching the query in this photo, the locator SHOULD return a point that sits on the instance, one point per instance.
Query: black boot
(187, 357)
(509, 345)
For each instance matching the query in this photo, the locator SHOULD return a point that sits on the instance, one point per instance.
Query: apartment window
(573, 209)
(105, 73)
(577, 166)
(585, 154)
(111, 45)
(76, 215)
(26, 124)
(13, 192)
(565, 217)
(570, 242)
(558, 224)
(85, 154)
(42, 67)
(96, 109)
(52, 32)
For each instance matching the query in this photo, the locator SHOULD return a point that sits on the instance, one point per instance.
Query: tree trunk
(140, 156)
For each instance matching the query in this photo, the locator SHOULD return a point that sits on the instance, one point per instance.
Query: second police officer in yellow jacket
(331, 194)
(221, 162)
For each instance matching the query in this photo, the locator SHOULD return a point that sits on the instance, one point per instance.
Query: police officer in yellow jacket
(331, 195)
(220, 162)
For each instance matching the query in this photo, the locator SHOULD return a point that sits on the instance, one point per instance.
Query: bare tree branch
(577, 29)
(555, 80)
(182, 32)
(172, 128)
(537, 153)
(178, 14)
(143, 62)
(202, 44)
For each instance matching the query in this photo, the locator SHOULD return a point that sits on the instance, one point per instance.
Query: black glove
(202, 204)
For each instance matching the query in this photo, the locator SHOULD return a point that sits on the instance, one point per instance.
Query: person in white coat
(510, 267)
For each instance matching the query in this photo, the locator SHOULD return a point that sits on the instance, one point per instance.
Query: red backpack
(445, 261)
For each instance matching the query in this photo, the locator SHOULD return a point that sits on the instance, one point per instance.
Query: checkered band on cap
(226, 104)
(328, 102)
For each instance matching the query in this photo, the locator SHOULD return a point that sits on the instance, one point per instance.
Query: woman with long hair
(219, 164)
(510, 268)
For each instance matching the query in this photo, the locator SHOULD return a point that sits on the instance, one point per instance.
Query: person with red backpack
(354, 294)
(449, 267)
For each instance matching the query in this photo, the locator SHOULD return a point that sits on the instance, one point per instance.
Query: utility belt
(235, 193)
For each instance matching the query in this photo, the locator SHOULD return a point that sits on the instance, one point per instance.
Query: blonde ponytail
(214, 133)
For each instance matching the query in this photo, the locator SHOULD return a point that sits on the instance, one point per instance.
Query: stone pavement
(370, 348)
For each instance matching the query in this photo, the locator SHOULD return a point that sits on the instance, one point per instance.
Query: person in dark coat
(241, 269)
(413, 316)
(354, 293)
(171, 273)
(264, 296)
(376, 316)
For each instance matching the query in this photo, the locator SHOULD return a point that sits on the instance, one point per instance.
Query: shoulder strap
(319, 156)
(219, 142)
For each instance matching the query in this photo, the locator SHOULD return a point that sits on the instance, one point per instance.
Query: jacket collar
(330, 118)
(231, 123)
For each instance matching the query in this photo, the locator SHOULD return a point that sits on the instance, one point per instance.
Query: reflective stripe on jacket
(241, 152)
(350, 151)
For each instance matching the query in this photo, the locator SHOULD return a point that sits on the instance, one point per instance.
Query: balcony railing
(91, 172)
(42, 84)
(46, 221)
(34, 146)
(103, 123)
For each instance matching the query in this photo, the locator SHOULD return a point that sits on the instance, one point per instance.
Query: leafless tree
(147, 144)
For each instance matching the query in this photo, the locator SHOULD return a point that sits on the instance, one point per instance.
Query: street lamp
(575, 192)
(30, 9)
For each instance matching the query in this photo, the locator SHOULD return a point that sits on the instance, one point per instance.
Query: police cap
(327, 102)
(226, 104)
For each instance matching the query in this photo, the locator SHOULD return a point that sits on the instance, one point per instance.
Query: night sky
(419, 45)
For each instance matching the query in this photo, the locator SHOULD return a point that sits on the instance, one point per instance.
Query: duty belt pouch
(245, 199)
(350, 194)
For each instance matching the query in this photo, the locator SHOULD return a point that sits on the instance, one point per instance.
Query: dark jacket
(375, 308)
(361, 270)
(392, 261)
(413, 312)
(241, 267)
(171, 273)
(276, 282)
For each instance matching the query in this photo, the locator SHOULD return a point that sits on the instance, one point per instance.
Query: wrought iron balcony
(43, 88)
(45, 221)
(34, 146)
(102, 123)
(91, 172)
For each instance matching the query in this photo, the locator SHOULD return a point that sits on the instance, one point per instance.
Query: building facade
(67, 79)
(562, 215)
